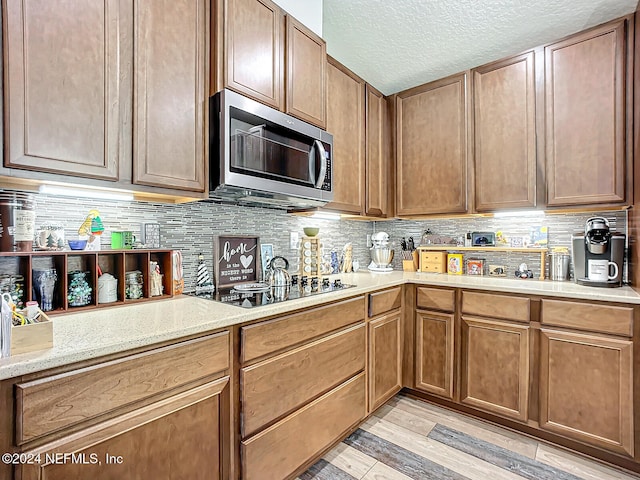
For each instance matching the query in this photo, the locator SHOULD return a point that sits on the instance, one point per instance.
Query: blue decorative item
(335, 264)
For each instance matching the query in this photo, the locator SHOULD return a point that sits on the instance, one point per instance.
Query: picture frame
(516, 242)
(150, 233)
(475, 266)
(483, 239)
(454, 264)
(236, 260)
(266, 254)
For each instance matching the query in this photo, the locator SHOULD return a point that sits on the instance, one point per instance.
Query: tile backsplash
(191, 228)
(560, 228)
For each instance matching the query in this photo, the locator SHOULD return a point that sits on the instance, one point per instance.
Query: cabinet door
(254, 50)
(180, 437)
(495, 366)
(586, 388)
(306, 74)
(434, 353)
(432, 148)
(505, 134)
(377, 154)
(67, 86)
(385, 359)
(585, 117)
(346, 122)
(171, 65)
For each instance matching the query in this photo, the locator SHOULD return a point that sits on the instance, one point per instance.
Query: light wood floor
(410, 439)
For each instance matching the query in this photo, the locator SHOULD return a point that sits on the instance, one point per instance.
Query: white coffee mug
(599, 270)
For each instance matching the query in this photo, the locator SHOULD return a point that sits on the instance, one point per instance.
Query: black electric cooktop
(273, 295)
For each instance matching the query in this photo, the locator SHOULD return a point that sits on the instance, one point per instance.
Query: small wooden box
(433, 262)
(35, 336)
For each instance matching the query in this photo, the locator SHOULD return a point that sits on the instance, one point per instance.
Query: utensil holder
(408, 266)
(413, 264)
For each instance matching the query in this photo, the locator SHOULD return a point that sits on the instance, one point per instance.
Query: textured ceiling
(399, 44)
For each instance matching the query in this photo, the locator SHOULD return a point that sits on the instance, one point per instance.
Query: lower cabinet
(586, 388)
(385, 359)
(280, 450)
(495, 366)
(301, 395)
(434, 353)
(179, 437)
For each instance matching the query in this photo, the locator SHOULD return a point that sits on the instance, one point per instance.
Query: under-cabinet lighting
(85, 193)
(326, 216)
(524, 213)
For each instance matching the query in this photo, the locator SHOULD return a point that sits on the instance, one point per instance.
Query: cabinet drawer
(496, 306)
(52, 403)
(436, 299)
(283, 383)
(385, 301)
(274, 335)
(278, 451)
(433, 262)
(588, 316)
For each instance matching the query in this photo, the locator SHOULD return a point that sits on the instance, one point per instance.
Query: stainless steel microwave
(261, 156)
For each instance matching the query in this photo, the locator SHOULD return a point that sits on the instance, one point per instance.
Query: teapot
(278, 276)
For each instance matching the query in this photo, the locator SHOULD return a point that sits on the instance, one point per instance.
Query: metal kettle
(277, 276)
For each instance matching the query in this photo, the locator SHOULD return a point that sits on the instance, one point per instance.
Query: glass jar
(134, 284)
(14, 286)
(79, 291)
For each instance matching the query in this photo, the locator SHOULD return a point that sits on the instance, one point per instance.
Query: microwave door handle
(323, 163)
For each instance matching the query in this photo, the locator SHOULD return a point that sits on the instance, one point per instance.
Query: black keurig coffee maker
(598, 255)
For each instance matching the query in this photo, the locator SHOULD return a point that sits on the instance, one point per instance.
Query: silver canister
(559, 266)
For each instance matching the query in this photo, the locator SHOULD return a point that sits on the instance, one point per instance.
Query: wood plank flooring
(409, 439)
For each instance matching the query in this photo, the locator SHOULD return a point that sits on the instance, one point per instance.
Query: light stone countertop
(95, 333)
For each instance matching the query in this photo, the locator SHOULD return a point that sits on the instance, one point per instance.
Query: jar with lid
(17, 219)
(134, 284)
(79, 291)
(107, 288)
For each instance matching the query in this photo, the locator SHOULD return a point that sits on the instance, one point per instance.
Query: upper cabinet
(431, 148)
(358, 118)
(306, 74)
(505, 137)
(346, 122)
(379, 175)
(171, 72)
(70, 98)
(587, 101)
(255, 37)
(67, 70)
(254, 50)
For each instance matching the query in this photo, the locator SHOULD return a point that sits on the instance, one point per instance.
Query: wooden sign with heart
(235, 260)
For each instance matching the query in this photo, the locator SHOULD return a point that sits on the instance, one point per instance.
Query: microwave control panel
(326, 185)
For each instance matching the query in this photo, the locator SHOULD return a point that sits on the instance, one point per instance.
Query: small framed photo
(151, 235)
(516, 242)
(497, 270)
(475, 266)
(266, 254)
(454, 264)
